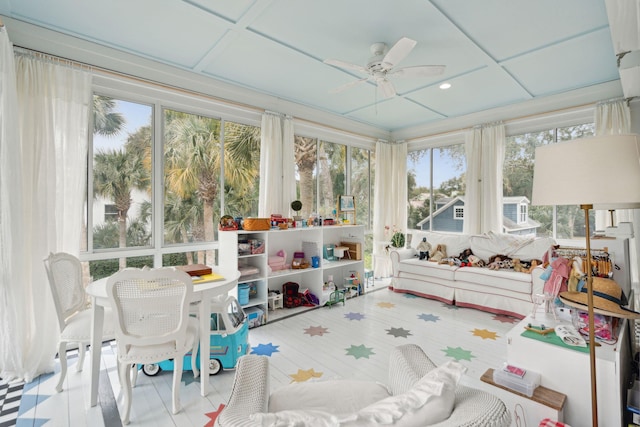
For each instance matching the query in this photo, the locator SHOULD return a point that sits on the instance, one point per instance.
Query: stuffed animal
(424, 248)
(533, 264)
(497, 262)
(476, 261)
(439, 254)
(464, 258)
(517, 265)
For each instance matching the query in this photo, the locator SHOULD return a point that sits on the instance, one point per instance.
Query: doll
(424, 248)
(439, 254)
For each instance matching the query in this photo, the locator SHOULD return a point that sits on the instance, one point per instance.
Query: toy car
(229, 339)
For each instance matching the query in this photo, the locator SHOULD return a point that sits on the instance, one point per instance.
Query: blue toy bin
(243, 294)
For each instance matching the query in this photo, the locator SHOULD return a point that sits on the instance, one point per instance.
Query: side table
(525, 410)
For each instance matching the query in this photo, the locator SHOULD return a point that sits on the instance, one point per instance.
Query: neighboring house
(449, 215)
(104, 210)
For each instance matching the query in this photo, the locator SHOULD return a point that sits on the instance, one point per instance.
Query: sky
(136, 116)
(443, 169)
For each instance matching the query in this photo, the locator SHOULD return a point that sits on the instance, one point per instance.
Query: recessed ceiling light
(444, 86)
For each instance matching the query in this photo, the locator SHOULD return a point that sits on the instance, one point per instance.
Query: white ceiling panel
(573, 64)
(510, 28)
(481, 90)
(177, 33)
(395, 113)
(497, 53)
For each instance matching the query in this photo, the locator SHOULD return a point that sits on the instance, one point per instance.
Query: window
(305, 153)
(458, 212)
(121, 174)
(331, 176)
(523, 213)
(110, 213)
(160, 178)
(361, 184)
(436, 188)
(559, 221)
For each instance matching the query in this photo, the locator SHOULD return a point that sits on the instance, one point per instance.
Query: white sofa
(501, 291)
(419, 394)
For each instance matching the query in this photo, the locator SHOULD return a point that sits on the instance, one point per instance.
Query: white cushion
(295, 418)
(429, 401)
(333, 396)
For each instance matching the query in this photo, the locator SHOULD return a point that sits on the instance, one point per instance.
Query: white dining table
(202, 292)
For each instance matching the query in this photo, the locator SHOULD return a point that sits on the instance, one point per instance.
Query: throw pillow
(334, 396)
(430, 401)
(295, 418)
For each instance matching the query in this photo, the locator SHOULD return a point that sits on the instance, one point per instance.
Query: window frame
(160, 98)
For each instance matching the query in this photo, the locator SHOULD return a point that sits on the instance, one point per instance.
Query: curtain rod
(506, 122)
(52, 59)
(195, 93)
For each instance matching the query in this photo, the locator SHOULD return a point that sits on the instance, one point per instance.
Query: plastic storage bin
(243, 294)
(525, 385)
(255, 316)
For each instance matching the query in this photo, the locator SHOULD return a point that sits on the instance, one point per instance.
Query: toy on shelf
(299, 261)
(278, 261)
(327, 252)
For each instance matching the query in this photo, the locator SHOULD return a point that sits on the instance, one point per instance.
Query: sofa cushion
(497, 279)
(432, 269)
(522, 247)
(429, 401)
(347, 396)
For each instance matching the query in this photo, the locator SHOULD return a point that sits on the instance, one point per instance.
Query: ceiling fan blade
(387, 88)
(348, 85)
(398, 52)
(342, 64)
(418, 71)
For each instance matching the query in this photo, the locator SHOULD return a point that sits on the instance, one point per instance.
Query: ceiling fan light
(445, 86)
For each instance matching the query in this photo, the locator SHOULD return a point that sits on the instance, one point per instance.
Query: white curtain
(484, 149)
(53, 105)
(12, 295)
(612, 118)
(390, 198)
(277, 165)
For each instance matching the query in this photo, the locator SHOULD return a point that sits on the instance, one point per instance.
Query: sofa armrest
(249, 394)
(398, 255)
(537, 284)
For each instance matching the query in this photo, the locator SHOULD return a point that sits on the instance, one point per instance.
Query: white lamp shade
(603, 171)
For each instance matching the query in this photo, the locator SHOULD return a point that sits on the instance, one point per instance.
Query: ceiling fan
(381, 66)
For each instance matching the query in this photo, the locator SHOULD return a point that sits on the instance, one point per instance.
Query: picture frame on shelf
(346, 203)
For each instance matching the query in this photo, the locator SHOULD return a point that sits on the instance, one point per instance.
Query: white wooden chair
(151, 309)
(64, 272)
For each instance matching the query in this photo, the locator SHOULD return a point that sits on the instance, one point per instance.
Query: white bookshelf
(291, 241)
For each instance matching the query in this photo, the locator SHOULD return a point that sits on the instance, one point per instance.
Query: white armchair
(418, 394)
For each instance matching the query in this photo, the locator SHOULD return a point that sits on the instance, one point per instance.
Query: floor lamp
(603, 171)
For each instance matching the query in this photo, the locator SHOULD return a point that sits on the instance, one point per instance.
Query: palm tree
(193, 163)
(305, 156)
(106, 122)
(116, 173)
